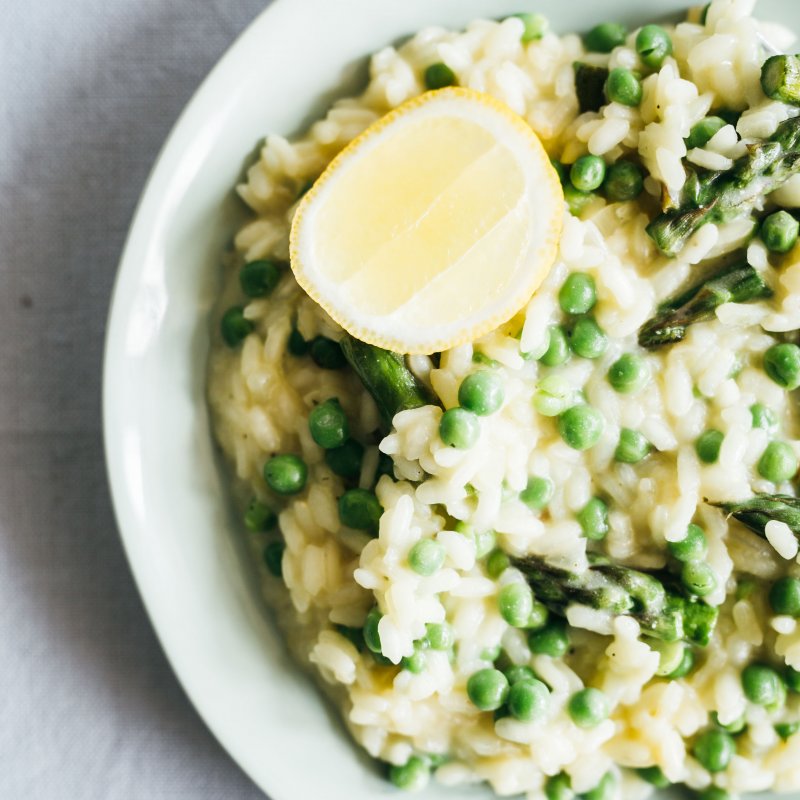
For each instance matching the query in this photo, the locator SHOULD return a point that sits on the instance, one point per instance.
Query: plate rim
(114, 329)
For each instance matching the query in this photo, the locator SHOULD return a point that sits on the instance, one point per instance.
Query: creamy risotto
(567, 566)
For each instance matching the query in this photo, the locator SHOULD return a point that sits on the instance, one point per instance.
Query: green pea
(459, 428)
(437, 759)
(519, 672)
(644, 589)
(576, 200)
(605, 790)
(737, 726)
(296, 344)
(553, 396)
(653, 44)
(588, 173)
(559, 787)
(327, 424)
(685, 667)
(603, 38)
(784, 596)
(778, 462)
(708, 444)
(259, 517)
(577, 294)
(326, 353)
(416, 662)
(552, 640)
(426, 557)
(654, 776)
(439, 75)
(345, 460)
(580, 427)
(714, 750)
(792, 678)
(538, 493)
(713, 793)
(372, 638)
(411, 776)
(593, 519)
(487, 689)
(698, 578)
(360, 509)
(527, 699)
(259, 278)
(234, 327)
(632, 447)
(779, 232)
(539, 617)
(484, 543)
(782, 364)
(497, 563)
(628, 374)
(787, 729)
(557, 349)
(439, 635)
(670, 655)
(273, 558)
(482, 392)
(588, 339)
(286, 474)
(763, 417)
(552, 400)
(623, 87)
(691, 548)
(515, 602)
(491, 654)
(588, 708)
(624, 181)
(704, 131)
(536, 26)
(762, 685)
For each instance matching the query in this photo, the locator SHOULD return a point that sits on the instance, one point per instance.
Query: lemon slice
(432, 227)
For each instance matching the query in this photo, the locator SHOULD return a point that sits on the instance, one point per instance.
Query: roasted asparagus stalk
(723, 196)
(757, 511)
(661, 613)
(734, 284)
(386, 377)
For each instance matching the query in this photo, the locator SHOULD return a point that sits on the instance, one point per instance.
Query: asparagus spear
(589, 86)
(729, 194)
(619, 590)
(734, 284)
(756, 512)
(780, 78)
(386, 377)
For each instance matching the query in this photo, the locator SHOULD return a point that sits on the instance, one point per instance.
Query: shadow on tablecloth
(89, 705)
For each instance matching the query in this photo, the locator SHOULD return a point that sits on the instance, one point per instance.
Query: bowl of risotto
(450, 402)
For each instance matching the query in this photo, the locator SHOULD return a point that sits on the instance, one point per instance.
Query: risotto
(569, 566)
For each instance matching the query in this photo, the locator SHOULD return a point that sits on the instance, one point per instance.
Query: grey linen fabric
(89, 708)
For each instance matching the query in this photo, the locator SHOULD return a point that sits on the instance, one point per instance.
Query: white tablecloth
(89, 708)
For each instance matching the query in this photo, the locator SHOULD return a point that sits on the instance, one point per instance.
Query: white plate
(168, 489)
